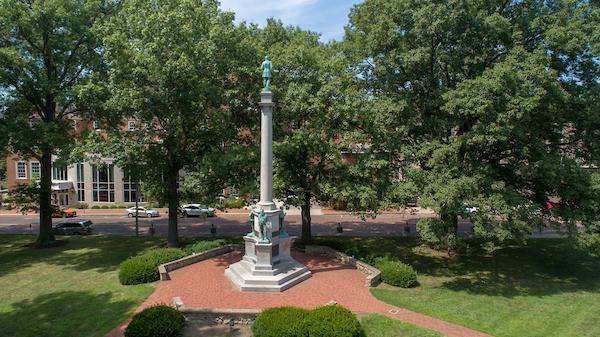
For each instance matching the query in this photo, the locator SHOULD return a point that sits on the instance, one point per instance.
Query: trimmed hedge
(204, 245)
(281, 322)
(326, 321)
(156, 321)
(396, 273)
(333, 321)
(144, 268)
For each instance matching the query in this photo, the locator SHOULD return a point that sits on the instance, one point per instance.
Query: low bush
(204, 245)
(234, 203)
(333, 321)
(396, 273)
(326, 321)
(156, 321)
(144, 268)
(96, 207)
(80, 205)
(281, 322)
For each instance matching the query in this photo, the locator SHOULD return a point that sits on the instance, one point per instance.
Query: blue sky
(327, 17)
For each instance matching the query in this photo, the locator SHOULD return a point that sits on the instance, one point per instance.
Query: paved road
(236, 225)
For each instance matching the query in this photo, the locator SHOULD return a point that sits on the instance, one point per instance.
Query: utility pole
(137, 199)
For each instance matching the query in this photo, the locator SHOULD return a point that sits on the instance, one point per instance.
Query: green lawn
(546, 288)
(71, 290)
(381, 326)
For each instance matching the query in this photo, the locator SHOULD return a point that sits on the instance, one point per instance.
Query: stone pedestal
(267, 264)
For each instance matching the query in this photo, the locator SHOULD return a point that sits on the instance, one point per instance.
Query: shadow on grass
(103, 253)
(542, 267)
(69, 313)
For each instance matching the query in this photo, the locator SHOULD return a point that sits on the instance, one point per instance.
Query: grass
(381, 326)
(72, 290)
(546, 288)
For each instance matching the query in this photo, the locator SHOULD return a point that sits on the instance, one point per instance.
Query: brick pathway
(204, 285)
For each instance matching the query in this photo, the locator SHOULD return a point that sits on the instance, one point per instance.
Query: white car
(469, 209)
(197, 210)
(143, 211)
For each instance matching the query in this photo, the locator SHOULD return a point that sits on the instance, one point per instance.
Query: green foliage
(234, 203)
(204, 245)
(481, 104)
(325, 321)
(81, 205)
(333, 321)
(24, 197)
(439, 234)
(144, 268)
(182, 70)
(396, 273)
(281, 322)
(47, 49)
(156, 321)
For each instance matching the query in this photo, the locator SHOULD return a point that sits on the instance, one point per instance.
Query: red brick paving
(204, 285)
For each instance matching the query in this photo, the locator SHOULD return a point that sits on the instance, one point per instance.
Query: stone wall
(372, 274)
(164, 269)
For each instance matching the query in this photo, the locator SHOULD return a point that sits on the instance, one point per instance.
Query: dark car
(73, 227)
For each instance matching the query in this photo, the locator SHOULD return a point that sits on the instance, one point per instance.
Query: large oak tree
(492, 103)
(177, 70)
(47, 49)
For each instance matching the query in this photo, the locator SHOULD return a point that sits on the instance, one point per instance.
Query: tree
(46, 50)
(487, 104)
(176, 71)
(313, 89)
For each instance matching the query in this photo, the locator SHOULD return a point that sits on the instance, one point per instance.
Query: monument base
(267, 267)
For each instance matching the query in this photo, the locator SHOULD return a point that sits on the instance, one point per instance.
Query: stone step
(245, 280)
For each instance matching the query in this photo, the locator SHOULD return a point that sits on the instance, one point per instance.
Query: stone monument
(267, 264)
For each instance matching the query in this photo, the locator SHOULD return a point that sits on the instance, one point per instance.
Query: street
(236, 225)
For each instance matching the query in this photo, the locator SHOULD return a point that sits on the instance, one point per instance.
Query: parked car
(73, 227)
(143, 211)
(58, 212)
(197, 210)
(469, 209)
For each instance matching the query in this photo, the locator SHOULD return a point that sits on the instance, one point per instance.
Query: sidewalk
(315, 210)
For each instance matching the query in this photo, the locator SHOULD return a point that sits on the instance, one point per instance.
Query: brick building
(77, 183)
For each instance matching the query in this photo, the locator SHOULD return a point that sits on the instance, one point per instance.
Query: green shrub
(204, 245)
(144, 268)
(281, 322)
(333, 321)
(326, 321)
(156, 321)
(396, 273)
(96, 207)
(234, 203)
(80, 205)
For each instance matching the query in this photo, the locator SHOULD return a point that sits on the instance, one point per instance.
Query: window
(35, 170)
(130, 189)
(95, 125)
(103, 183)
(80, 182)
(21, 170)
(59, 172)
(131, 125)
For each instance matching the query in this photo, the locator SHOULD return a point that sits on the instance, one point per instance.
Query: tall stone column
(267, 264)
(266, 151)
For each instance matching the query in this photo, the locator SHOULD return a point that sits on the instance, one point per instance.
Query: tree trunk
(46, 234)
(173, 203)
(306, 220)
